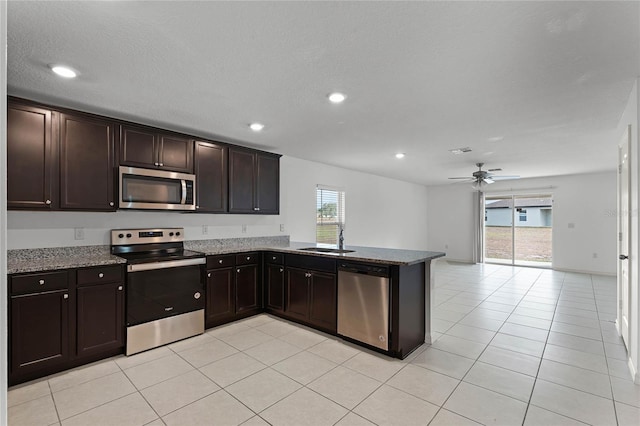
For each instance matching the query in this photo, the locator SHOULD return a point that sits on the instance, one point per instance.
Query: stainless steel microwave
(156, 189)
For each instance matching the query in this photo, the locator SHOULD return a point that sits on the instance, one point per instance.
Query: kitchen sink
(326, 250)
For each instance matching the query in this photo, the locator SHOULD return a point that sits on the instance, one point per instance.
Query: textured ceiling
(536, 88)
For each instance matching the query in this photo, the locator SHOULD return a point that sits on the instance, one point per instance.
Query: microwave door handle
(184, 191)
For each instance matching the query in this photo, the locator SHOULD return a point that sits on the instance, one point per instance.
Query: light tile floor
(515, 346)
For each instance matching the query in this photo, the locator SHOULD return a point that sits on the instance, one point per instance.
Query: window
(329, 214)
(522, 215)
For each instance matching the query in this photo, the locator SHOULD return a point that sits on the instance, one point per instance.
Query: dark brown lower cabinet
(274, 288)
(100, 318)
(311, 298)
(220, 306)
(39, 337)
(248, 290)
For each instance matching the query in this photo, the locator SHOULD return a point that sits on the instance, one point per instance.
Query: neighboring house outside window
(522, 215)
(329, 214)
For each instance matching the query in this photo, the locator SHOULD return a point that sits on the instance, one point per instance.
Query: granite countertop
(362, 254)
(48, 259)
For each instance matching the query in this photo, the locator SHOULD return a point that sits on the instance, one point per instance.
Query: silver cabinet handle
(281, 269)
(119, 288)
(111, 204)
(100, 275)
(238, 270)
(248, 257)
(274, 258)
(170, 308)
(161, 164)
(66, 296)
(220, 261)
(41, 282)
(256, 209)
(209, 275)
(197, 207)
(196, 295)
(47, 202)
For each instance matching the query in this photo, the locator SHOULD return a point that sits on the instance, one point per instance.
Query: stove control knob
(177, 233)
(171, 234)
(120, 235)
(196, 295)
(128, 235)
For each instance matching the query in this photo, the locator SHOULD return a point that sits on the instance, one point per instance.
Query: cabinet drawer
(35, 283)
(99, 275)
(223, 261)
(315, 263)
(274, 258)
(247, 258)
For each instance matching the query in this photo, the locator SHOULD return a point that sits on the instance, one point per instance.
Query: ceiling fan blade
(494, 170)
(487, 180)
(465, 178)
(504, 177)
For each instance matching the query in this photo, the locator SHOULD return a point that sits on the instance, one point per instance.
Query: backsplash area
(27, 229)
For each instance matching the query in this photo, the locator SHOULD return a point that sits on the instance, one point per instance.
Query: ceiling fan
(484, 177)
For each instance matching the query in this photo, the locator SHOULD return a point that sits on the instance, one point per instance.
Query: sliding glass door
(518, 230)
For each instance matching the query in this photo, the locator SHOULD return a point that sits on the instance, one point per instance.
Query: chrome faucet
(341, 239)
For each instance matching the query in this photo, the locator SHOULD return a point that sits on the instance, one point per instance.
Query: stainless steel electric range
(165, 286)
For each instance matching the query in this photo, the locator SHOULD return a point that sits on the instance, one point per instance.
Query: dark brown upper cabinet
(146, 147)
(254, 182)
(211, 177)
(87, 163)
(32, 153)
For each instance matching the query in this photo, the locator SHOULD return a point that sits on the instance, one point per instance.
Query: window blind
(330, 214)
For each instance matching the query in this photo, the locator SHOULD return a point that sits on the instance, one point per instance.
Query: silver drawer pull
(257, 209)
(274, 258)
(100, 275)
(41, 282)
(281, 269)
(238, 270)
(111, 204)
(209, 275)
(248, 257)
(48, 202)
(196, 295)
(161, 164)
(66, 296)
(170, 308)
(119, 288)
(220, 261)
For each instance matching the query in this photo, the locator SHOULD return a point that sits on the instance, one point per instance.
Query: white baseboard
(635, 374)
(579, 271)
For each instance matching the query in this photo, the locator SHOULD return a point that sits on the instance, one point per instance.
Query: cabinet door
(268, 184)
(297, 294)
(220, 306)
(241, 181)
(39, 331)
(100, 318)
(31, 158)
(175, 153)
(247, 289)
(275, 287)
(211, 177)
(323, 300)
(86, 163)
(138, 147)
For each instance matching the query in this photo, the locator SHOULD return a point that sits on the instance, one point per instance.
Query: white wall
(631, 116)
(587, 201)
(379, 212)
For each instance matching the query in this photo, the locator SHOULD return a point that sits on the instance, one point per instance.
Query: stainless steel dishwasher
(363, 303)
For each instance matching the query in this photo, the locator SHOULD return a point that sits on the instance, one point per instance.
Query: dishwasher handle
(364, 269)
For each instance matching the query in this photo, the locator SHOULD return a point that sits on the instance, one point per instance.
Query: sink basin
(326, 250)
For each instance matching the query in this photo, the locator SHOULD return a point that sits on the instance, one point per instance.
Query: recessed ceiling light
(337, 98)
(63, 71)
(256, 127)
(400, 155)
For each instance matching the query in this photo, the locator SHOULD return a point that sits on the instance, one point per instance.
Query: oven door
(164, 289)
(156, 189)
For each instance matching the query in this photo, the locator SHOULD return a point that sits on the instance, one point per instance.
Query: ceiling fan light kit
(482, 178)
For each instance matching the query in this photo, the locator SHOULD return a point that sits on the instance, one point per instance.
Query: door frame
(624, 325)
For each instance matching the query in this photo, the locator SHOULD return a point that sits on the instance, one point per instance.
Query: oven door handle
(184, 192)
(168, 264)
